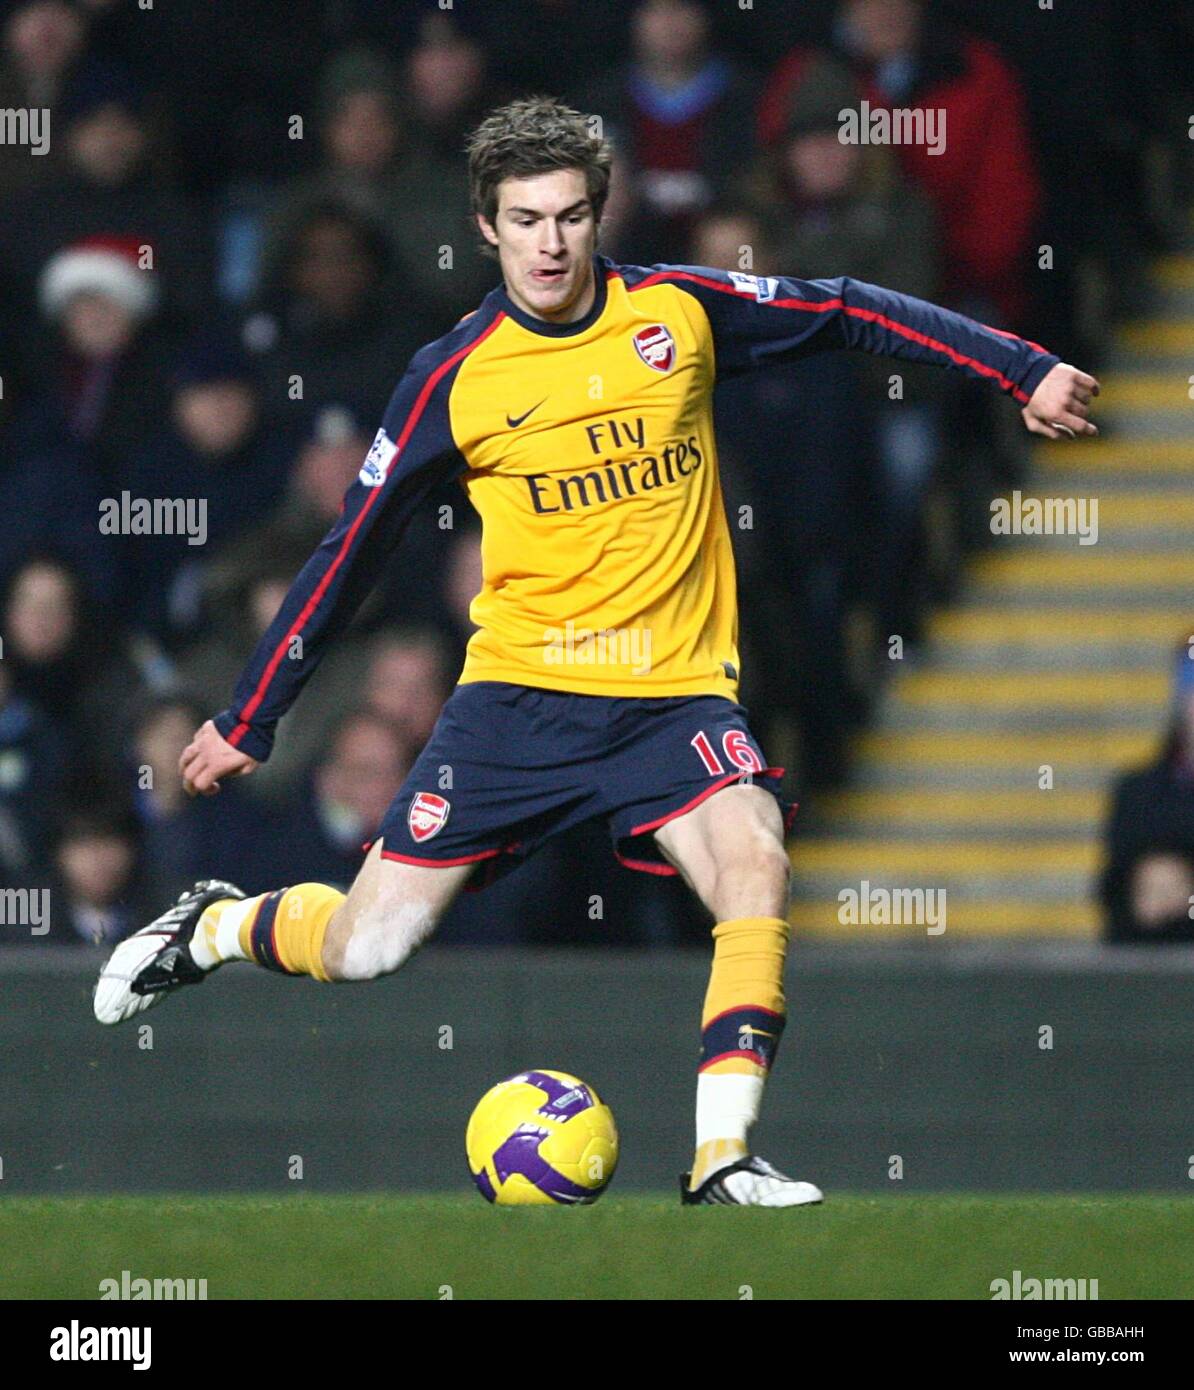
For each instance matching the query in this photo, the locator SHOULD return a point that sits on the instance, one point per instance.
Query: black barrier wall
(983, 1067)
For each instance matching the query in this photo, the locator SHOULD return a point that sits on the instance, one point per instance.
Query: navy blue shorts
(509, 766)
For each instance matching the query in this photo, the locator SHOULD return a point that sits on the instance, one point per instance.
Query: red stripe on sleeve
(827, 305)
(321, 588)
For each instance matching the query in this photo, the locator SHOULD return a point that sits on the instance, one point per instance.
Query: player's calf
(731, 850)
(312, 929)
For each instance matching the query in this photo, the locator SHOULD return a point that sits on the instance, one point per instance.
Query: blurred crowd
(1146, 886)
(248, 217)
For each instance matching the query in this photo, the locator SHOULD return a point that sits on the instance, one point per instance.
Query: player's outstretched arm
(208, 758)
(413, 450)
(762, 319)
(1060, 406)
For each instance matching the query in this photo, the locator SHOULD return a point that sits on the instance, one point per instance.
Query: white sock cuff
(727, 1105)
(228, 928)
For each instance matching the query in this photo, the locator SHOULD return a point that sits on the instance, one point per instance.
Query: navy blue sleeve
(412, 453)
(759, 319)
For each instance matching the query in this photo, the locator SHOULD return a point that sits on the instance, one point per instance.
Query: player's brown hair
(535, 135)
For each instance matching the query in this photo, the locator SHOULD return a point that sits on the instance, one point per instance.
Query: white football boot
(750, 1182)
(155, 961)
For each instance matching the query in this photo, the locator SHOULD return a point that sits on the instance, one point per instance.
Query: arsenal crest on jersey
(427, 816)
(656, 346)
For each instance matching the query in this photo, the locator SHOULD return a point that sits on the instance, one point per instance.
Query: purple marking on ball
(563, 1100)
(520, 1154)
(483, 1182)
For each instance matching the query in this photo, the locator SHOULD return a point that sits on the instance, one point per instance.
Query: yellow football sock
(282, 931)
(741, 1025)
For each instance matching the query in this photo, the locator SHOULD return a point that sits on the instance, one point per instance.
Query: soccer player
(575, 408)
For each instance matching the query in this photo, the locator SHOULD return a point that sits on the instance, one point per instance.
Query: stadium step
(915, 808)
(1038, 569)
(1128, 392)
(969, 749)
(988, 769)
(1038, 690)
(1174, 273)
(888, 857)
(995, 917)
(1171, 336)
(1117, 460)
(987, 639)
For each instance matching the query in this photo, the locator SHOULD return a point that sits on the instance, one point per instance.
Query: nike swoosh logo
(514, 422)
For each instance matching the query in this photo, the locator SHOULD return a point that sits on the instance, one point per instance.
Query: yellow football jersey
(591, 461)
(588, 451)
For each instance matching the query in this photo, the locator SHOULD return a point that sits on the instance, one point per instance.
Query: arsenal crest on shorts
(656, 346)
(427, 816)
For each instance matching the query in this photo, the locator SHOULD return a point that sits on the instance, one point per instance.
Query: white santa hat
(107, 265)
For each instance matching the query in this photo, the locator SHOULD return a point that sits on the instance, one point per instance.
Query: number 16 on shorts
(737, 748)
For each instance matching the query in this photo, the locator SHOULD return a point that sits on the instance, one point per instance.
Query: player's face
(545, 233)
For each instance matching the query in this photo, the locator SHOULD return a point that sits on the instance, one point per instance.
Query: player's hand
(1060, 405)
(208, 758)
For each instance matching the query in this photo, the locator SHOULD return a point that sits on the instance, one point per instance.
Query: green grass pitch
(386, 1246)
